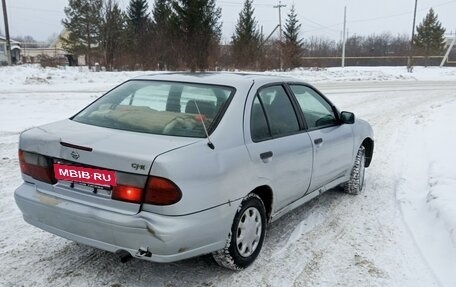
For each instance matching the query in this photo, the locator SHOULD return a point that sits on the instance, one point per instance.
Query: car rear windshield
(158, 107)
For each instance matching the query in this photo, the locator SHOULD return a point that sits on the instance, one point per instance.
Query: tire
(356, 183)
(246, 236)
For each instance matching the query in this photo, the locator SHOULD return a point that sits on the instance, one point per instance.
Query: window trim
(292, 100)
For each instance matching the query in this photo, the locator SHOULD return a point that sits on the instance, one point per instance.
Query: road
(334, 240)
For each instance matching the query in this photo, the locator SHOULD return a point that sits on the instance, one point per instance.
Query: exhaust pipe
(143, 252)
(124, 255)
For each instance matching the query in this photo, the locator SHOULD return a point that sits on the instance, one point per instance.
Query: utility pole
(8, 41)
(344, 37)
(410, 57)
(280, 31)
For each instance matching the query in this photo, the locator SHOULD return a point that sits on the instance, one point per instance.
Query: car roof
(219, 78)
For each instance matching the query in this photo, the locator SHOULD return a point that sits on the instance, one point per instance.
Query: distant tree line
(186, 35)
(176, 34)
(371, 50)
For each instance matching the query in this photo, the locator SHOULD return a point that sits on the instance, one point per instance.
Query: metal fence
(376, 61)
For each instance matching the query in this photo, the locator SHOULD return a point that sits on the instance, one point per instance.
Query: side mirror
(347, 118)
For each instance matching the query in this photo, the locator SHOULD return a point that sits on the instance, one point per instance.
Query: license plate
(85, 175)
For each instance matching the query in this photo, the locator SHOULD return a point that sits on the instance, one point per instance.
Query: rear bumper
(168, 238)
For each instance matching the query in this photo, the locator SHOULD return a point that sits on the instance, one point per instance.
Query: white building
(15, 51)
(55, 51)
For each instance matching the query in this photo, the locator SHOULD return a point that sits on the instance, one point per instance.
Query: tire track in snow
(336, 239)
(380, 118)
(414, 188)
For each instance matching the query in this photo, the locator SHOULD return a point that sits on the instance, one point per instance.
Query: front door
(332, 141)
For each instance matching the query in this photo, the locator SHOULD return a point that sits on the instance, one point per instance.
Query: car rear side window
(258, 124)
(272, 114)
(318, 113)
(158, 107)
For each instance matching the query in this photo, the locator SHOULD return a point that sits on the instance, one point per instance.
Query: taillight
(161, 191)
(158, 191)
(36, 166)
(127, 193)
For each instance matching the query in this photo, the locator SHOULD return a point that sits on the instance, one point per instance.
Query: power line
(318, 24)
(329, 27)
(379, 18)
(240, 3)
(325, 28)
(443, 4)
(33, 9)
(400, 14)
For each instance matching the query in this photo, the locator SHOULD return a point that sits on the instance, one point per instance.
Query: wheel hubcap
(248, 232)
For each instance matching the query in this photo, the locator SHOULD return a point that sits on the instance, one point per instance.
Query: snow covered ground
(401, 231)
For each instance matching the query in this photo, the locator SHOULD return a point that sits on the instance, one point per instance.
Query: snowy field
(401, 231)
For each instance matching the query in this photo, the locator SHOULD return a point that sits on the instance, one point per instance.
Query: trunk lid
(129, 154)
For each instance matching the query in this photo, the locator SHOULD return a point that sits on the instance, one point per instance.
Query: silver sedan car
(172, 166)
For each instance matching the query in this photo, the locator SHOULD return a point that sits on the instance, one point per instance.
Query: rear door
(280, 150)
(332, 141)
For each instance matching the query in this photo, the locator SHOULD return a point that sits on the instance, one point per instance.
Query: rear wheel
(246, 236)
(356, 183)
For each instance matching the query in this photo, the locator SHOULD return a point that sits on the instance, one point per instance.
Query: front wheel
(356, 183)
(246, 236)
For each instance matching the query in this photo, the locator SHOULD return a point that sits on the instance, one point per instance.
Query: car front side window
(318, 113)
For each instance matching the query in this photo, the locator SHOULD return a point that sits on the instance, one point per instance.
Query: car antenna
(209, 143)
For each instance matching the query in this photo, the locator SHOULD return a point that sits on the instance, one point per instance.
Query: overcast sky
(42, 18)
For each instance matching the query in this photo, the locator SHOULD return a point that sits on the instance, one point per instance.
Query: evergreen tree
(246, 40)
(430, 36)
(292, 28)
(293, 44)
(83, 22)
(164, 35)
(197, 22)
(113, 38)
(162, 12)
(138, 17)
(138, 22)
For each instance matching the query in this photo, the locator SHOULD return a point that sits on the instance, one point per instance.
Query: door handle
(266, 155)
(318, 141)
